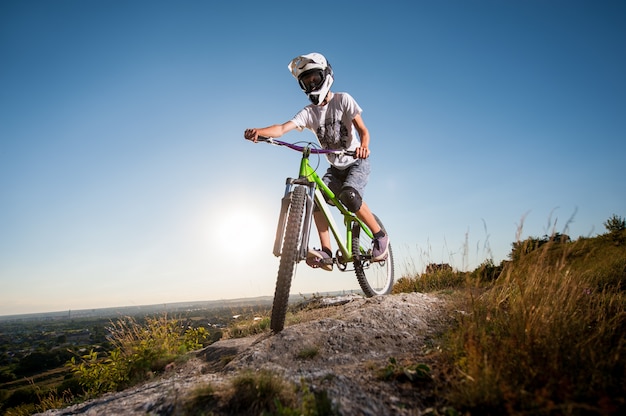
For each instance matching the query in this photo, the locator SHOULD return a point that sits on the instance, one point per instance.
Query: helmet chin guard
(318, 97)
(303, 65)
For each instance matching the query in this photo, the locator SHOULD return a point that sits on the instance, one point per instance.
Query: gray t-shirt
(332, 124)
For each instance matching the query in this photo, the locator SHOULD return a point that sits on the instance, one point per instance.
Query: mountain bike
(293, 230)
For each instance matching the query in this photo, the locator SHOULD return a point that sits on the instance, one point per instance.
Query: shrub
(201, 399)
(308, 352)
(139, 350)
(439, 279)
(411, 372)
(260, 392)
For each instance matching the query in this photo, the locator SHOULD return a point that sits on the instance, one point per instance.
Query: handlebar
(301, 148)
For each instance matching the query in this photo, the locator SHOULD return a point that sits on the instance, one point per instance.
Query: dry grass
(549, 336)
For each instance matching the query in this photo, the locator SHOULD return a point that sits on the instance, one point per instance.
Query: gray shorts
(354, 176)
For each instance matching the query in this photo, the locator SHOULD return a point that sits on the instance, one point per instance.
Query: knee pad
(351, 198)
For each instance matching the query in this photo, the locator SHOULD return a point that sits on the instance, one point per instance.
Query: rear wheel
(288, 258)
(375, 278)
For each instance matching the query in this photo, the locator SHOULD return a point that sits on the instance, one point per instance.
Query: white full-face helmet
(314, 74)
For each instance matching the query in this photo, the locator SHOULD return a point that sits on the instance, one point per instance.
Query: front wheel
(288, 258)
(375, 278)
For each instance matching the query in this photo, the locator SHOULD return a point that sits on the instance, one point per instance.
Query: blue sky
(123, 164)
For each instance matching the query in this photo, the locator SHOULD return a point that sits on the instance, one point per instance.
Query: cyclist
(336, 120)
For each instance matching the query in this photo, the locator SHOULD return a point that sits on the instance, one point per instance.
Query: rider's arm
(274, 131)
(363, 151)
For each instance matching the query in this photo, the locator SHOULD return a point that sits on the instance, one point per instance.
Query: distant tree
(616, 227)
(615, 224)
(487, 271)
(38, 362)
(521, 248)
(21, 396)
(5, 376)
(557, 238)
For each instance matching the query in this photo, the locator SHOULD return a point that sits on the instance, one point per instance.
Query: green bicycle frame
(317, 189)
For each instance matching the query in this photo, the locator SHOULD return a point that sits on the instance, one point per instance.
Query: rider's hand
(251, 134)
(362, 152)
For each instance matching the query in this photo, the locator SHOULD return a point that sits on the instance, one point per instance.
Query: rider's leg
(380, 248)
(351, 195)
(365, 215)
(321, 222)
(320, 258)
(322, 228)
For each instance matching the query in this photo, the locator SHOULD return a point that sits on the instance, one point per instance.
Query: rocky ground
(352, 339)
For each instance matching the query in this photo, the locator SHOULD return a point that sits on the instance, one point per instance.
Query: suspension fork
(305, 232)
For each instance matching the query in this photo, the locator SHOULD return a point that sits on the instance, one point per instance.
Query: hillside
(542, 333)
(340, 349)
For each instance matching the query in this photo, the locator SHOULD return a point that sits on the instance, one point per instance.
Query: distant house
(438, 267)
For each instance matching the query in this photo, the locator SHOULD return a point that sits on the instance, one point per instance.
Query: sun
(242, 233)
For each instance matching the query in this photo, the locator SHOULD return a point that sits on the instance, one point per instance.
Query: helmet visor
(311, 80)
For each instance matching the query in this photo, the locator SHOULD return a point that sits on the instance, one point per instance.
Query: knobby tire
(288, 258)
(375, 278)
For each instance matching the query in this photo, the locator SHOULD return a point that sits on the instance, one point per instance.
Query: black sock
(327, 251)
(379, 234)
